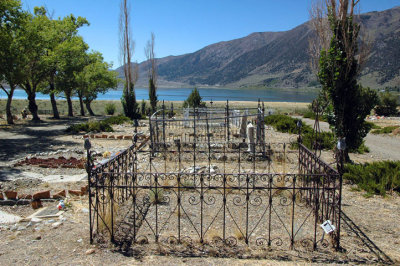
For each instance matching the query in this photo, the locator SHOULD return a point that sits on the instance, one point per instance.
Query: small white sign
(328, 227)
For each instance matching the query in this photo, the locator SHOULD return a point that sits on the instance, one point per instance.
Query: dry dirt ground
(65, 240)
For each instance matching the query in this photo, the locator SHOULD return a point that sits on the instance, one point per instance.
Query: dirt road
(382, 147)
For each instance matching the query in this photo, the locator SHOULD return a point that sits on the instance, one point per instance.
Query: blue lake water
(269, 95)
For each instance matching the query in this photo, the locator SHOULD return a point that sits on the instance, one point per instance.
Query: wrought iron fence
(203, 191)
(202, 124)
(327, 202)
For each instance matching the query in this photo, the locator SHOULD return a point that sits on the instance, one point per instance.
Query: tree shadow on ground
(6, 172)
(34, 137)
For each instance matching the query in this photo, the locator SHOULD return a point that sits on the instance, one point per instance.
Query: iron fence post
(87, 146)
(179, 190)
(293, 202)
(227, 121)
(340, 166)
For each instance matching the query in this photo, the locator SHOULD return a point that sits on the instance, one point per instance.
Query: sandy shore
(99, 106)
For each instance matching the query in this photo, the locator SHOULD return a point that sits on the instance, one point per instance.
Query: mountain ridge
(277, 59)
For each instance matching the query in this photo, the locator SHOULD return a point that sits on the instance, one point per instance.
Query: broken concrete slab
(45, 212)
(12, 174)
(64, 178)
(8, 218)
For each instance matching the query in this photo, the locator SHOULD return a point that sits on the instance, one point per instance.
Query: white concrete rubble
(7, 218)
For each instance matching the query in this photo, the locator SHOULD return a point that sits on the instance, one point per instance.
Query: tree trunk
(70, 110)
(56, 115)
(10, 119)
(89, 108)
(32, 102)
(81, 104)
(346, 156)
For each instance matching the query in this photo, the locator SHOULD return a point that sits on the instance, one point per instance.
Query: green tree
(82, 81)
(128, 99)
(110, 108)
(153, 95)
(152, 72)
(194, 100)
(95, 78)
(387, 104)
(58, 31)
(34, 49)
(143, 108)
(72, 60)
(339, 67)
(12, 24)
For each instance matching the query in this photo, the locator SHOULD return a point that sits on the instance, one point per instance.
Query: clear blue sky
(184, 26)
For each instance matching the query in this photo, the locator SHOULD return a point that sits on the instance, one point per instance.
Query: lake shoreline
(181, 94)
(98, 106)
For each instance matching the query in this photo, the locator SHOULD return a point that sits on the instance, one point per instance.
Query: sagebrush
(287, 124)
(98, 126)
(375, 178)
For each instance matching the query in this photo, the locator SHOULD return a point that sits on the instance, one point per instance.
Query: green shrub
(361, 149)
(387, 104)
(110, 108)
(101, 126)
(326, 140)
(129, 104)
(98, 126)
(143, 108)
(160, 196)
(117, 120)
(376, 177)
(78, 128)
(372, 125)
(286, 124)
(309, 114)
(194, 100)
(91, 126)
(385, 130)
(282, 123)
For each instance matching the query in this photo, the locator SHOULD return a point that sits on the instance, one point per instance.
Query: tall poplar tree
(127, 45)
(339, 67)
(152, 72)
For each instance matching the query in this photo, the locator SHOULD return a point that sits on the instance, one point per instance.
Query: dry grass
(156, 196)
(166, 183)
(213, 234)
(239, 236)
(108, 211)
(109, 217)
(179, 212)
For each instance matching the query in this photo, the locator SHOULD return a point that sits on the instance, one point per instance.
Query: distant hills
(278, 59)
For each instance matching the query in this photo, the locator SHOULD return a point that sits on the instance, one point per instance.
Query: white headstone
(250, 137)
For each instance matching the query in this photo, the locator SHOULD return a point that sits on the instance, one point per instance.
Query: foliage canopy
(348, 101)
(194, 100)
